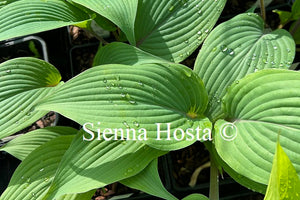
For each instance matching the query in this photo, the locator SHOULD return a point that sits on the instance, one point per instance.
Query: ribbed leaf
(261, 106)
(80, 196)
(22, 84)
(173, 29)
(88, 165)
(32, 16)
(149, 181)
(25, 144)
(123, 97)
(121, 53)
(34, 175)
(120, 12)
(284, 182)
(195, 197)
(238, 47)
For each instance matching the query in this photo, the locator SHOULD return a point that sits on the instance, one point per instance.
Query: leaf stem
(214, 180)
(263, 10)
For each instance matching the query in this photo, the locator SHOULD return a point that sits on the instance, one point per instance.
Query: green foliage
(240, 89)
(284, 182)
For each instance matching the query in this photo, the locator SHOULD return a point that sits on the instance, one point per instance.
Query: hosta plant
(138, 103)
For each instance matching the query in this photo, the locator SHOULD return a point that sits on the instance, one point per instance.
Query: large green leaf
(284, 182)
(238, 47)
(121, 53)
(120, 12)
(260, 106)
(173, 29)
(32, 16)
(195, 197)
(25, 144)
(34, 175)
(88, 165)
(23, 83)
(149, 181)
(134, 99)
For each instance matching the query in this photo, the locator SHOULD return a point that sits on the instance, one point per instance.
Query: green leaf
(6, 2)
(149, 181)
(284, 16)
(24, 82)
(135, 99)
(23, 145)
(120, 12)
(195, 197)
(175, 28)
(80, 196)
(296, 10)
(296, 34)
(121, 53)
(32, 16)
(34, 175)
(284, 182)
(260, 106)
(238, 47)
(88, 165)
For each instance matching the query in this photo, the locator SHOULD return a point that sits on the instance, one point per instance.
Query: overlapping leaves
(238, 47)
(24, 82)
(261, 106)
(25, 17)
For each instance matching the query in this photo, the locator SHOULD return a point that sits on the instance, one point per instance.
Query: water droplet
(17, 122)
(123, 95)
(132, 101)
(104, 80)
(186, 41)
(108, 87)
(8, 71)
(223, 48)
(273, 63)
(135, 123)
(230, 52)
(197, 6)
(141, 83)
(206, 31)
(199, 12)
(275, 47)
(41, 169)
(22, 177)
(126, 124)
(46, 179)
(219, 101)
(288, 50)
(237, 82)
(199, 32)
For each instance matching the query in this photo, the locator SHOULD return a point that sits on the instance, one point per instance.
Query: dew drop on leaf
(135, 123)
(141, 83)
(104, 80)
(223, 48)
(199, 32)
(230, 52)
(126, 124)
(275, 47)
(41, 169)
(206, 31)
(131, 101)
(123, 95)
(200, 12)
(237, 82)
(8, 71)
